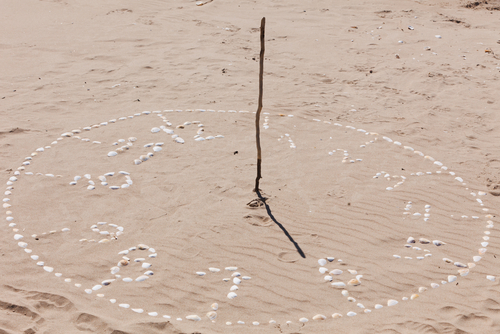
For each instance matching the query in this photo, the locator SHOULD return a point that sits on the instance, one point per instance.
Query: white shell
(391, 302)
(179, 140)
(336, 272)
(338, 284)
(155, 130)
(303, 320)
(351, 314)
(141, 278)
(112, 153)
(319, 317)
(491, 278)
(232, 295)
(212, 315)
(322, 262)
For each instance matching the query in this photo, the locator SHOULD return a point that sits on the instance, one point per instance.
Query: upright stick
(259, 109)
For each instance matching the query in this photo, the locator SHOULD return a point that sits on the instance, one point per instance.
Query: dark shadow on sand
(268, 209)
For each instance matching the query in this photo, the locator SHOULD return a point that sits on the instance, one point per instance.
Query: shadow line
(268, 209)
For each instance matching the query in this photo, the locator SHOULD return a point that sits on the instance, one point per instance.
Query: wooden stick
(259, 109)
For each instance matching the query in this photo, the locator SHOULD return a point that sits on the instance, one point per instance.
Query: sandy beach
(127, 154)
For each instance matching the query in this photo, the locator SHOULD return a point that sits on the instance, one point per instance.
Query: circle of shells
(148, 254)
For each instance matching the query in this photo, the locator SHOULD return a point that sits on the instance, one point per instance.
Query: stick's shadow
(268, 209)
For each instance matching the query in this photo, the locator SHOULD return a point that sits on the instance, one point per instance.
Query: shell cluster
(344, 283)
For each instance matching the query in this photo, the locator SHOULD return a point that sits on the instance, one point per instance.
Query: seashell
(200, 273)
(48, 269)
(89, 291)
(231, 268)
(323, 270)
(18, 237)
(354, 282)
(149, 273)
(153, 314)
(378, 306)
(114, 187)
(112, 154)
(22, 244)
(155, 130)
(397, 256)
(322, 262)
(434, 285)
(96, 287)
(141, 278)
(336, 272)
(127, 279)
(107, 282)
(452, 278)
(319, 317)
(123, 263)
(212, 315)
(215, 306)
(476, 258)
(303, 320)
(157, 149)
(232, 295)
(241, 322)
(146, 265)
(246, 278)
(124, 305)
(422, 289)
(463, 272)
(391, 302)
(236, 281)
(481, 251)
(447, 260)
(103, 241)
(351, 299)
(234, 288)
(40, 263)
(438, 243)
(142, 247)
(90, 187)
(137, 310)
(144, 158)
(351, 314)
(360, 305)
(410, 240)
(491, 278)
(414, 296)
(336, 315)
(179, 140)
(34, 257)
(338, 284)
(328, 278)
(424, 241)
(461, 265)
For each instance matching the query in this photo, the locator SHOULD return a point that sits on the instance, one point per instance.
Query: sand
(376, 66)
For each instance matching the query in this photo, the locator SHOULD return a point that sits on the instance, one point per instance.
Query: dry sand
(71, 64)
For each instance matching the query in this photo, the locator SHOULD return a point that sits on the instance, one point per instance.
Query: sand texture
(128, 160)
